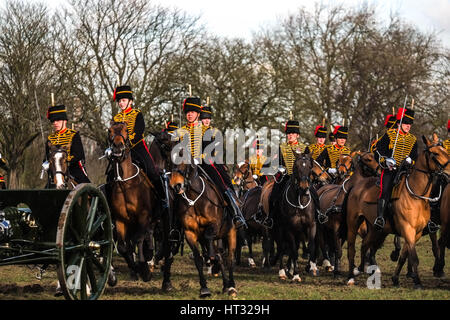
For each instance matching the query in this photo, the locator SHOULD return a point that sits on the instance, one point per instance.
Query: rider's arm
(76, 149)
(382, 149)
(139, 128)
(413, 154)
(323, 159)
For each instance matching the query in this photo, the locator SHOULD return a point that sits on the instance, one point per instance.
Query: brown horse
(444, 240)
(202, 212)
(409, 206)
(250, 194)
(296, 218)
(332, 230)
(134, 205)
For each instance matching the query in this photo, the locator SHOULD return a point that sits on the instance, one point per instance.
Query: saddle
(214, 186)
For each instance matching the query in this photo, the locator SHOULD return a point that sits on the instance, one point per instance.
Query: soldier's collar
(62, 131)
(338, 146)
(293, 143)
(127, 110)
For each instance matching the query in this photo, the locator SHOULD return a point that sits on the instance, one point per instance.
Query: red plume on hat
(388, 117)
(448, 125)
(114, 94)
(317, 129)
(400, 113)
(336, 130)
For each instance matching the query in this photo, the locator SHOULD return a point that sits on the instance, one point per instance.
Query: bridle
(65, 174)
(365, 169)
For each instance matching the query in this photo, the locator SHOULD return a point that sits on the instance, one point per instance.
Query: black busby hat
(57, 113)
(206, 113)
(340, 132)
(408, 115)
(390, 121)
(292, 126)
(123, 92)
(320, 132)
(192, 104)
(171, 126)
(331, 136)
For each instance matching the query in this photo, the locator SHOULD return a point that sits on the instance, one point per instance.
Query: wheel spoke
(91, 276)
(96, 225)
(91, 214)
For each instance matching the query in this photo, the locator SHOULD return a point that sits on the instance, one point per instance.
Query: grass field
(20, 282)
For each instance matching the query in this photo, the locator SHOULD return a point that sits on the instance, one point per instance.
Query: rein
(192, 202)
(119, 178)
(300, 206)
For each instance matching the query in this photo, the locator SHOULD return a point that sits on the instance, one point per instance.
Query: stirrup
(433, 227)
(379, 223)
(322, 218)
(174, 235)
(268, 222)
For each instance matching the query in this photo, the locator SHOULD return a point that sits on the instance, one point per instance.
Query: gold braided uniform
(406, 146)
(287, 152)
(316, 149)
(195, 132)
(63, 138)
(331, 154)
(129, 117)
(256, 164)
(447, 145)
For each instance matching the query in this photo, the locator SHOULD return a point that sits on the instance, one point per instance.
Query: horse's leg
(231, 237)
(239, 245)
(143, 267)
(251, 261)
(192, 240)
(125, 249)
(400, 263)
(412, 255)
(351, 239)
(293, 246)
(397, 246)
(436, 253)
(442, 244)
(337, 250)
(312, 230)
(266, 250)
(167, 252)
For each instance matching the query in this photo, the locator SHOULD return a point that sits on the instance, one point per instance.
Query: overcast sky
(239, 18)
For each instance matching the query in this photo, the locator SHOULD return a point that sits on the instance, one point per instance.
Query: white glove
(282, 169)
(108, 153)
(332, 171)
(408, 160)
(390, 162)
(45, 165)
(255, 177)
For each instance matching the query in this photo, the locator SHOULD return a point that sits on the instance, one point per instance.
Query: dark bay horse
(250, 194)
(296, 218)
(409, 207)
(333, 231)
(444, 240)
(134, 204)
(202, 212)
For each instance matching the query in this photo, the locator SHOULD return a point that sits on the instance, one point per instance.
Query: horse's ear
(425, 140)
(435, 138)
(354, 153)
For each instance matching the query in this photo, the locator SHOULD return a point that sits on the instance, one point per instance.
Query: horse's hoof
(329, 269)
(282, 275)
(232, 292)
(395, 281)
(251, 263)
(418, 286)
(209, 270)
(439, 274)
(409, 275)
(167, 286)
(296, 278)
(356, 272)
(394, 255)
(112, 279)
(204, 293)
(351, 282)
(133, 276)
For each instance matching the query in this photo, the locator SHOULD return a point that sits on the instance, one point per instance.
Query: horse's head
(302, 171)
(241, 172)
(181, 175)
(344, 166)
(434, 150)
(58, 165)
(165, 141)
(320, 174)
(367, 163)
(119, 141)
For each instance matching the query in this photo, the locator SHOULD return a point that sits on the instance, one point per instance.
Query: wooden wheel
(84, 243)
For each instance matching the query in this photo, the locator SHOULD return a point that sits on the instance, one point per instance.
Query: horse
(296, 218)
(250, 194)
(134, 204)
(58, 168)
(409, 207)
(444, 240)
(202, 211)
(332, 230)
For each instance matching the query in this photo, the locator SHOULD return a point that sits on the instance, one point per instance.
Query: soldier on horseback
(447, 142)
(65, 137)
(330, 155)
(317, 148)
(171, 127)
(195, 131)
(259, 161)
(395, 148)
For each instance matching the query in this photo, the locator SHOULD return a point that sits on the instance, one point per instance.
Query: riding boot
(379, 221)
(322, 218)
(238, 218)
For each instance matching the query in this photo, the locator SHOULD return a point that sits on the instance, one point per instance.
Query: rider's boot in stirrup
(238, 218)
